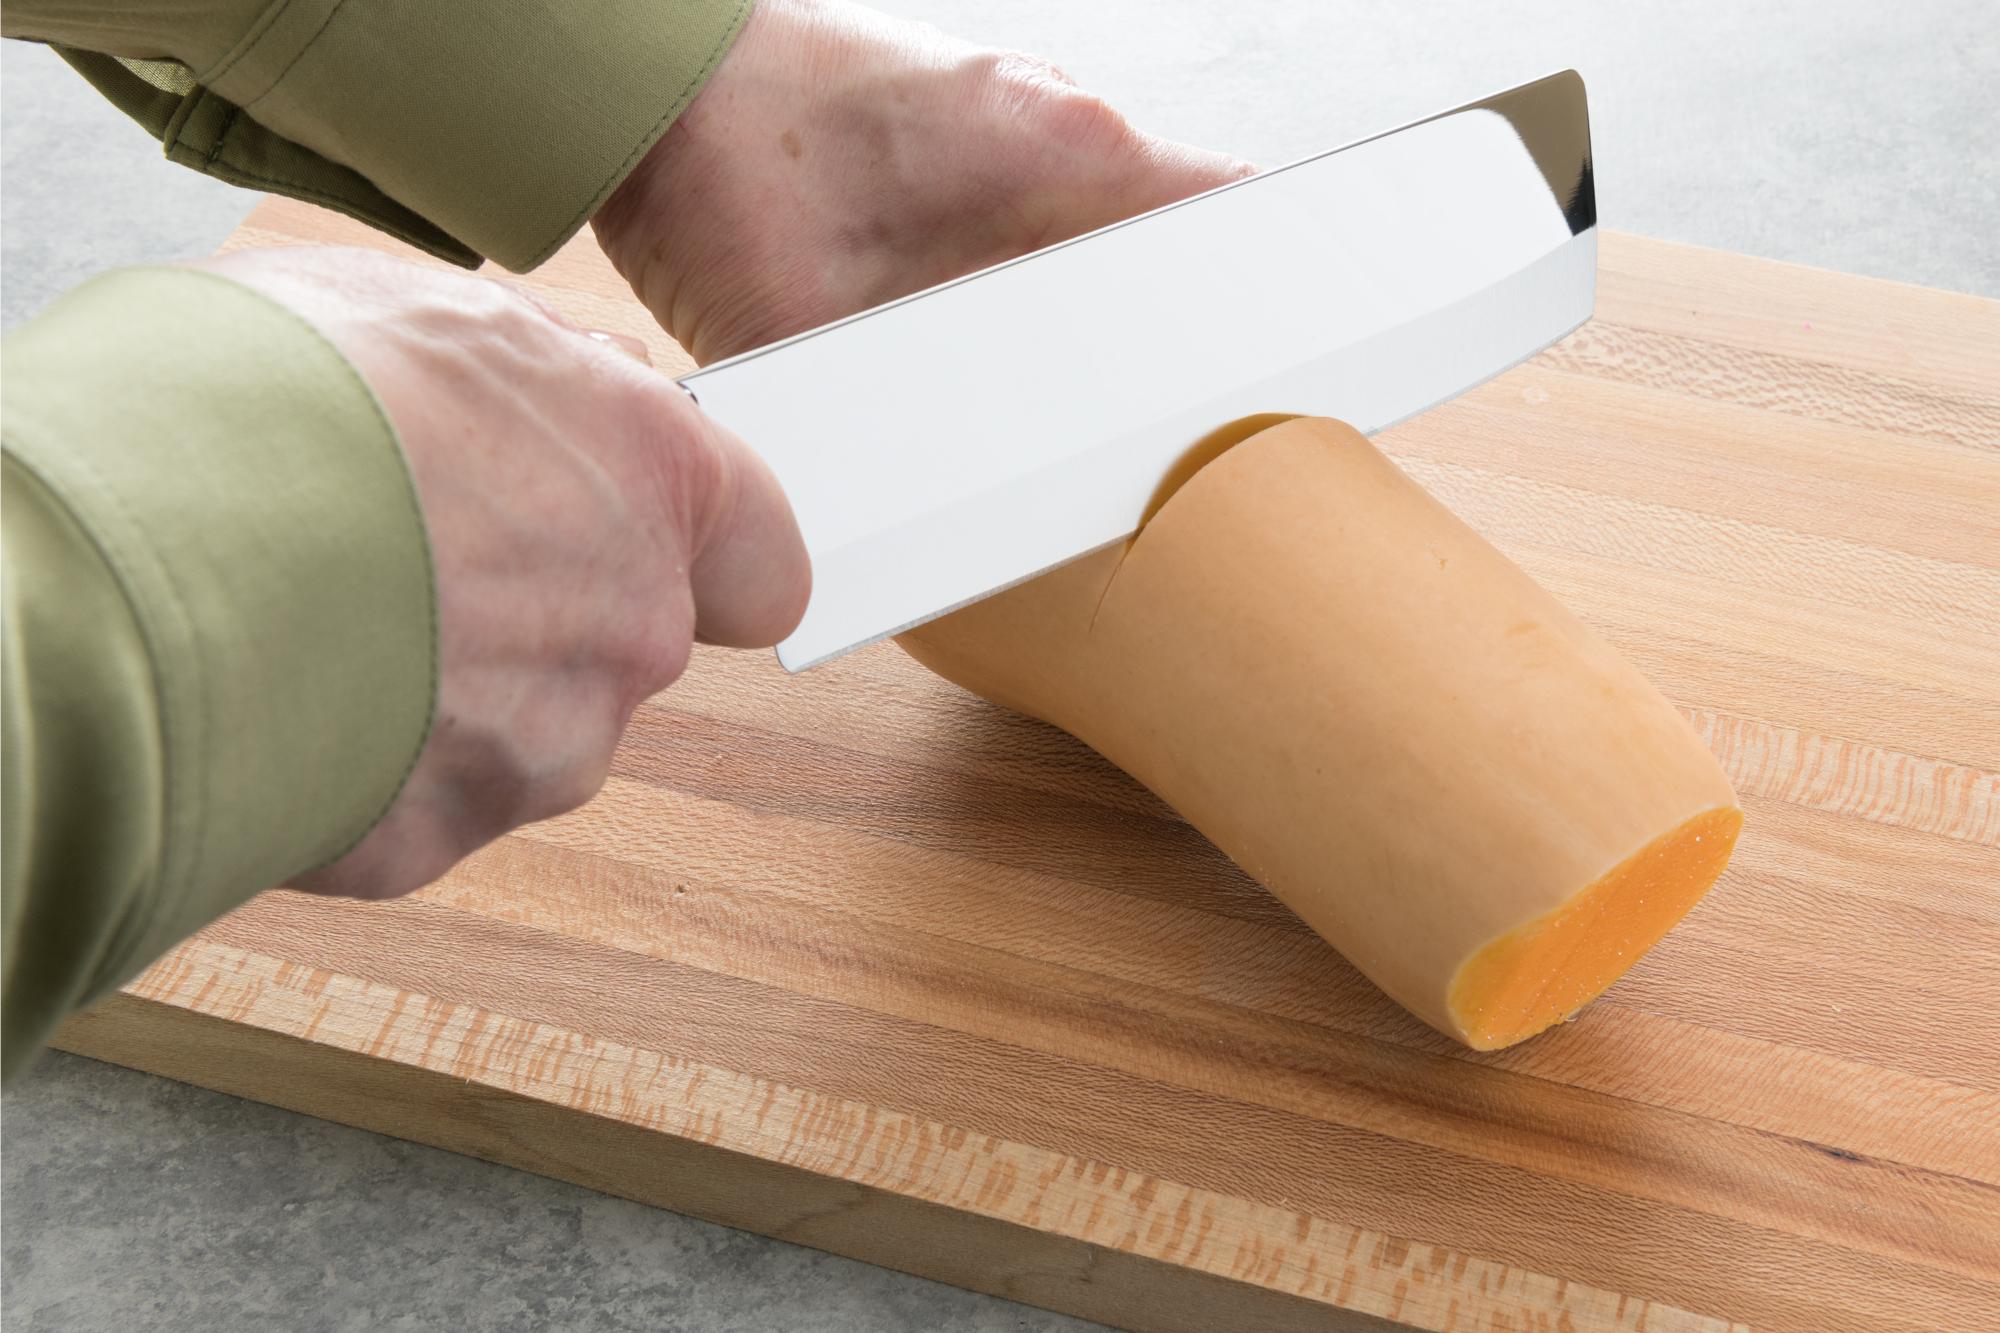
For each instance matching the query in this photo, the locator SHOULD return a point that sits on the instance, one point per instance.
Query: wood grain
(857, 960)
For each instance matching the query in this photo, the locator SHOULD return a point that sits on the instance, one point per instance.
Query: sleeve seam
(221, 138)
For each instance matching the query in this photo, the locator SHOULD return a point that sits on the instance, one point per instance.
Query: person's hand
(840, 158)
(587, 523)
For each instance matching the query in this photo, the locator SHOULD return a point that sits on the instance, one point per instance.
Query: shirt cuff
(248, 496)
(503, 125)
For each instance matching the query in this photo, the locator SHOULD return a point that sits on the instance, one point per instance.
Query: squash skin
(1371, 710)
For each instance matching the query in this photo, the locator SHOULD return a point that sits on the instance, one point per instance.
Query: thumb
(749, 574)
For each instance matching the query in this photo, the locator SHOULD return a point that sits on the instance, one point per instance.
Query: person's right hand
(587, 524)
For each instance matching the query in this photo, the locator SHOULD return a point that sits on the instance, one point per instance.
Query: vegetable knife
(945, 446)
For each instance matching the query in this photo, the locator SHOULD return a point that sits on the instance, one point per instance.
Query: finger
(750, 576)
(618, 342)
(1169, 171)
(542, 304)
(1146, 174)
(623, 342)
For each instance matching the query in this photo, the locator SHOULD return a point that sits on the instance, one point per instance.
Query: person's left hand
(840, 158)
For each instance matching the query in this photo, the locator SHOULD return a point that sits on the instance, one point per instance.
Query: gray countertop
(1839, 133)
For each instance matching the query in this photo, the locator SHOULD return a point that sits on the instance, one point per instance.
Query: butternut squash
(1379, 717)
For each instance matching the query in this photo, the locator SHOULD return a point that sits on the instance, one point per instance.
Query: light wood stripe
(736, 1112)
(1768, 381)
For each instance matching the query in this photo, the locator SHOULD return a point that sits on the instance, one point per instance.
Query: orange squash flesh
(1381, 719)
(1539, 974)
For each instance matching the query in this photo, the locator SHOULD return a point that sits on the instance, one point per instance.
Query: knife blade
(945, 446)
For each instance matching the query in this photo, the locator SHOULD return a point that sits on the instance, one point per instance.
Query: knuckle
(1085, 118)
(576, 785)
(496, 312)
(1050, 102)
(658, 646)
(689, 466)
(1029, 70)
(667, 654)
(517, 315)
(582, 789)
(427, 867)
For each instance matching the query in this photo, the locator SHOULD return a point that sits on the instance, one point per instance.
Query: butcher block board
(858, 960)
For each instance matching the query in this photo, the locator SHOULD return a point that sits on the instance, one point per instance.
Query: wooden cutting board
(860, 961)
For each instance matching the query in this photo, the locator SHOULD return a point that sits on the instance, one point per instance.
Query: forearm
(473, 130)
(220, 648)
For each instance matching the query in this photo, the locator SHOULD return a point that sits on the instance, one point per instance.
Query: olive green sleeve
(470, 128)
(219, 636)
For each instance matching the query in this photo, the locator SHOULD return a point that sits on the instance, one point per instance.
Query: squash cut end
(1539, 974)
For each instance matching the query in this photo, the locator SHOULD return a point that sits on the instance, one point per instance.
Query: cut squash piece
(1381, 719)
(1540, 974)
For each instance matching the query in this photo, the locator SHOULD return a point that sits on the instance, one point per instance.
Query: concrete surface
(1842, 133)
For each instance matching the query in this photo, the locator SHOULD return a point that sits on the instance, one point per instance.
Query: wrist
(641, 225)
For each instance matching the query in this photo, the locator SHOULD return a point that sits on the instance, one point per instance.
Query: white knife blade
(951, 444)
